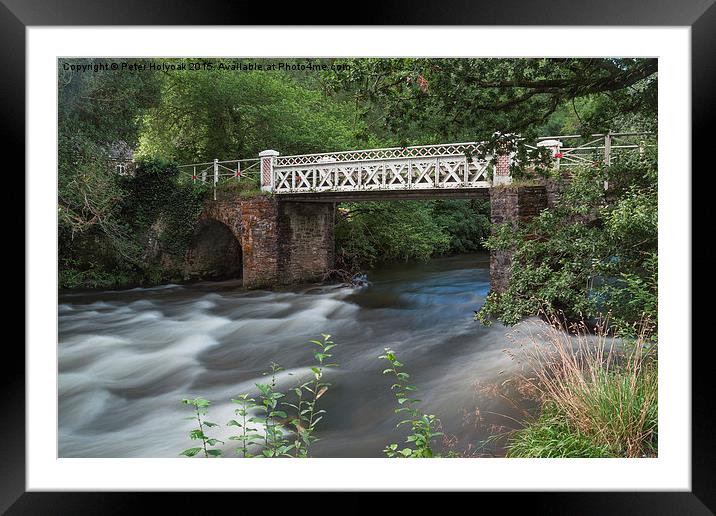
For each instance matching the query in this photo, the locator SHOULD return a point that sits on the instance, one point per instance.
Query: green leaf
(190, 452)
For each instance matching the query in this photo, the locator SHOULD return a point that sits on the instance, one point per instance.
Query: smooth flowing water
(127, 358)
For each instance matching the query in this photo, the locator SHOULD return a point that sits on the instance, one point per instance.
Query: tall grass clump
(599, 396)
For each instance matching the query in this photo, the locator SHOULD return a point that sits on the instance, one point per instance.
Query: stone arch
(215, 251)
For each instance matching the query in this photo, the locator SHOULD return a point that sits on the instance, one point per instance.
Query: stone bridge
(285, 234)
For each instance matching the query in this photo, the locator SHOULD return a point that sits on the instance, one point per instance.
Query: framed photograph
(339, 248)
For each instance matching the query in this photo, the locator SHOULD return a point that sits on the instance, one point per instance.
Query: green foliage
(263, 425)
(150, 206)
(552, 436)
(154, 195)
(224, 114)
(468, 99)
(275, 444)
(466, 223)
(207, 443)
(424, 427)
(368, 233)
(97, 111)
(593, 253)
(248, 435)
(307, 413)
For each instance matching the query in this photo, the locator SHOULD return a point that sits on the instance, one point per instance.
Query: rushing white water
(127, 358)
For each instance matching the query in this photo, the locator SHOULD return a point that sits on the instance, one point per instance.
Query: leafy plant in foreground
(275, 444)
(307, 415)
(248, 435)
(200, 409)
(263, 424)
(424, 426)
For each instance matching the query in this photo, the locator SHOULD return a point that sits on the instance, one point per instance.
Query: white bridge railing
(424, 167)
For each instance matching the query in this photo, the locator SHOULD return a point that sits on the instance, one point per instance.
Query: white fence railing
(221, 171)
(424, 167)
(451, 165)
(579, 151)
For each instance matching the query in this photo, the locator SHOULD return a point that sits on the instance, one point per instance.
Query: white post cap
(549, 143)
(268, 152)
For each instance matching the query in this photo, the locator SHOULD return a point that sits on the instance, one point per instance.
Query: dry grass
(598, 393)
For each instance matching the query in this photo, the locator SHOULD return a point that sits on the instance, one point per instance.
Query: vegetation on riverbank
(369, 233)
(593, 254)
(599, 397)
(136, 236)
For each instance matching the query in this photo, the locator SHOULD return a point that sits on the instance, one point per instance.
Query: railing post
(216, 175)
(554, 147)
(501, 175)
(608, 149)
(267, 163)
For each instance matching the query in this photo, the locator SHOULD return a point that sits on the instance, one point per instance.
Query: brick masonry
(260, 240)
(511, 205)
(280, 242)
(306, 239)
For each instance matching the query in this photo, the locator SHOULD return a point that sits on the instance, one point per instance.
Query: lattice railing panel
(388, 174)
(423, 151)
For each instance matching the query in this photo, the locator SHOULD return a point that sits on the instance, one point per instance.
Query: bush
(593, 253)
(147, 208)
(372, 232)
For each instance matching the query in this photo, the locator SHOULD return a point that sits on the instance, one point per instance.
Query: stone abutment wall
(511, 205)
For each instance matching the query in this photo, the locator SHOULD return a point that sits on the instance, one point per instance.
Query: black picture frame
(700, 15)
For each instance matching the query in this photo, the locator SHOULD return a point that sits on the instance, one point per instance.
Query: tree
(471, 98)
(227, 114)
(97, 109)
(372, 232)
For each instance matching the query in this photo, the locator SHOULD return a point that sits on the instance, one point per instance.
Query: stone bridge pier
(278, 242)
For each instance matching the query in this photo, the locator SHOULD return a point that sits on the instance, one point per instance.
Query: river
(127, 358)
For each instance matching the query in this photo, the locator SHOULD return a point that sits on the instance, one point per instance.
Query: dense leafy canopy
(468, 99)
(229, 115)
